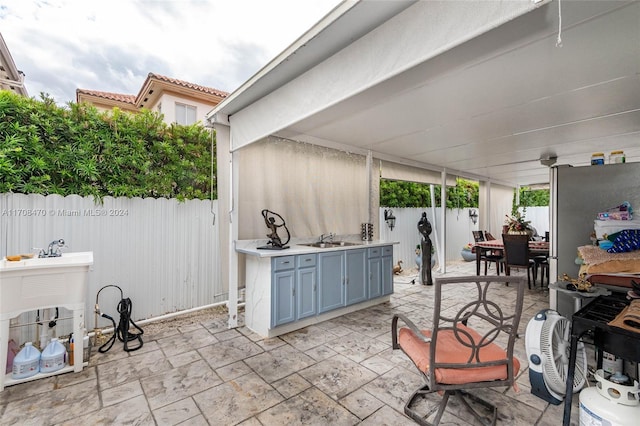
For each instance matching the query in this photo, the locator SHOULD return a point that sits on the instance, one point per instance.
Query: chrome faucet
(53, 250)
(328, 236)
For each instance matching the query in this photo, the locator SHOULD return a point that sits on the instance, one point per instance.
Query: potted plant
(467, 252)
(516, 224)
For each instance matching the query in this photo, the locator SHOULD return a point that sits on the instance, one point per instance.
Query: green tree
(411, 194)
(47, 149)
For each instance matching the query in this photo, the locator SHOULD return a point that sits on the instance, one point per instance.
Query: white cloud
(111, 45)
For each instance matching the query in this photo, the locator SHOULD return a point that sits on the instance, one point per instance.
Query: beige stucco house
(10, 77)
(177, 100)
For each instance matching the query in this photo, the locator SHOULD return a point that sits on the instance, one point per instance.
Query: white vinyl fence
(162, 253)
(458, 233)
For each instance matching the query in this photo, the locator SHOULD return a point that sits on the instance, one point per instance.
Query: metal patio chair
(469, 346)
(487, 255)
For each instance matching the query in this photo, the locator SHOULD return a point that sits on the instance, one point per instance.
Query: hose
(125, 307)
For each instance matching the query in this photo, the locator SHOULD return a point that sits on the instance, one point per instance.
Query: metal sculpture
(424, 227)
(275, 242)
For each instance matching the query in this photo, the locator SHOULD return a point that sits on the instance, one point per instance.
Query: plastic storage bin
(597, 158)
(616, 157)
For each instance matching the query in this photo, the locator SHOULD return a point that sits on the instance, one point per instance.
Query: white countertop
(251, 247)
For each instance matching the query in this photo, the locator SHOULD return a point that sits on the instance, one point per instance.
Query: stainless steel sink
(330, 244)
(345, 243)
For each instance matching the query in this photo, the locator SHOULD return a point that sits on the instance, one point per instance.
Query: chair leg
(422, 418)
(483, 420)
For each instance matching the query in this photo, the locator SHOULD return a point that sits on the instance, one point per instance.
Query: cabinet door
(330, 281)
(283, 306)
(387, 275)
(306, 302)
(375, 277)
(355, 281)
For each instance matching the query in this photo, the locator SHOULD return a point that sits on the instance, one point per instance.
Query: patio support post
(228, 228)
(436, 226)
(374, 194)
(233, 237)
(443, 219)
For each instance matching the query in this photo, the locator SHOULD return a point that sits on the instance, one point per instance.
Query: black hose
(125, 307)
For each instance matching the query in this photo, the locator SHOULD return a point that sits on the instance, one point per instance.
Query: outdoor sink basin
(39, 283)
(330, 244)
(66, 260)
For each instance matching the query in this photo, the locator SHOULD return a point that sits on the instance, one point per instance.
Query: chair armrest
(412, 327)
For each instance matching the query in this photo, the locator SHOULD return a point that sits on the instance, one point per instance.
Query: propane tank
(610, 402)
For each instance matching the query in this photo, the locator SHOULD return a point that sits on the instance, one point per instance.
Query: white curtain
(316, 190)
(396, 171)
(500, 200)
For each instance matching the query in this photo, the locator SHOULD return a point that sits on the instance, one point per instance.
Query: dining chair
(516, 255)
(469, 346)
(488, 255)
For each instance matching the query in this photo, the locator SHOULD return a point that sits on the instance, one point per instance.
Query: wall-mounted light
(473, 215)
(390, 219)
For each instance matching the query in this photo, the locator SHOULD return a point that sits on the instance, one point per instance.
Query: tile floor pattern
(338, 372)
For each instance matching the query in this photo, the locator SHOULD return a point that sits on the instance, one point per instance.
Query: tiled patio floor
(338, 372)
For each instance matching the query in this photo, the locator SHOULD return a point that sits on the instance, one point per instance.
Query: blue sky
(111, 45)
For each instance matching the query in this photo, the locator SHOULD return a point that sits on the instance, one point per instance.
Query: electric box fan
(547, 342)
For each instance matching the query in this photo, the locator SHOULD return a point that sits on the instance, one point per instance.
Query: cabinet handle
(285, 262)
(294, 291)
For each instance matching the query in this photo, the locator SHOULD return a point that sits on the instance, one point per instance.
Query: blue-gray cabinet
(380, 260)
(283, 287)
(307, 285)
(356, 276)
(387, 270)
(294, 287)
(331, 278)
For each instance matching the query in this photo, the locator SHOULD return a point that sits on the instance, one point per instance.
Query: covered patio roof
(493, 91)
(482, 89)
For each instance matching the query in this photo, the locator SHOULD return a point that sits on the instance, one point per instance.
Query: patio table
(535, 247)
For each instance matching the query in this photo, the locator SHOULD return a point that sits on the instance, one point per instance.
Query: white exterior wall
(168, 101)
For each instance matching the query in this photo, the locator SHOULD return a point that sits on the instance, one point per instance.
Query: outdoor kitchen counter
(251, 247)
(289, 289)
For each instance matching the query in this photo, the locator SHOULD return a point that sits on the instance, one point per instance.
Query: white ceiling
(493, 106)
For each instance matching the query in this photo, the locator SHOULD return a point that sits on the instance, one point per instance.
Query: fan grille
(555, 345)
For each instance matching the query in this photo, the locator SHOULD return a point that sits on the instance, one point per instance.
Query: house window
(185, 114)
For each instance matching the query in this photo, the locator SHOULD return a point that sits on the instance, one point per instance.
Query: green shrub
(47, 149)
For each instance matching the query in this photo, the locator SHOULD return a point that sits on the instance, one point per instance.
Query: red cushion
(450, 350)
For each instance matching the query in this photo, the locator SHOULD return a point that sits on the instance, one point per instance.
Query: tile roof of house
(183, 83)
(129, 99)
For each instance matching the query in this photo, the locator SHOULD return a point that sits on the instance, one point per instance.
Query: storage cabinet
(283, 284)
(331, 278)
(303, 286)
(356, 273)
(306, 286)
(387, 270)
(380, 261)
(294, 288)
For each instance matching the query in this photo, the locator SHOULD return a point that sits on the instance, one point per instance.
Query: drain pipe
(168, 316)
